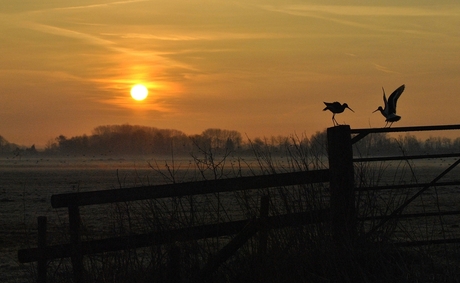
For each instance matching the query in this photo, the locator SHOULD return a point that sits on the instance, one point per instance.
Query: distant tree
(456, 145)
(411, 144)
(51, 147)
(258, 144)
(9, 148)
(280, 143)
(134, 139)
(219, 138)
(32, 150)
(3, 145)
(318, 143)
(438, 144)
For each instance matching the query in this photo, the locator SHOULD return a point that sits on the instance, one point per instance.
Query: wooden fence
(77, 248)
(422, 187)
(341, 214)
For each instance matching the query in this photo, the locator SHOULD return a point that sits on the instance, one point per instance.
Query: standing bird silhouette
(389, 112)
(336, 107)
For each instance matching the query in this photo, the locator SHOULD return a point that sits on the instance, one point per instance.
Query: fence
(342, 213)
(77, 248)
(397, 213)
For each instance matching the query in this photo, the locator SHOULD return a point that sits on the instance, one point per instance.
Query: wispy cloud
(122, 101)
(358, 16)
(72, 34)
(351, 10)
(196, 36)
(152, 55)
(43, 73)
(91, 6)
(385, 69)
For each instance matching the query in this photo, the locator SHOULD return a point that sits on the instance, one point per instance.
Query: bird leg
(334, 121)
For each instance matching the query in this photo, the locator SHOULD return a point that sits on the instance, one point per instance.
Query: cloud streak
(91, 6)
(374, 11)
(150, 55)
(359, 16)
(203, 36)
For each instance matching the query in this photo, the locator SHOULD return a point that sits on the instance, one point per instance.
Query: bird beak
(350, 109)
(375, 110)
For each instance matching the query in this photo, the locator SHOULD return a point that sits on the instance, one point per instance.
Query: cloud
(150, 56)
(72, 34)
(150, 104)
(59, 75)
(373, 18)
(385, 69)
(91, 6)
(307, 10)
(204, 36)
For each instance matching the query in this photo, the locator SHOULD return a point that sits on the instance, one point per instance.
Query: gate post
(42, 261)
(75, 239)
(342, 199)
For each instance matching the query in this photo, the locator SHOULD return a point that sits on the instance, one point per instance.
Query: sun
(139, 92)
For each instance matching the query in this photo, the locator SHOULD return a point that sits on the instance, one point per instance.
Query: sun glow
(139, 92)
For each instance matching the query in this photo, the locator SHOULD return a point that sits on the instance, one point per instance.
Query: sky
(260, 67)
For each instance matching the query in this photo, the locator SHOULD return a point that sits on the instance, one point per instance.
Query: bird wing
(384, 97)
(332, 105)
(393, 99)
(385, 103)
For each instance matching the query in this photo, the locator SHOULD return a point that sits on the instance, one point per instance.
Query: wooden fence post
(75, 239)
(174, 263)
(342, 186)
(263, 230)
(42, 262)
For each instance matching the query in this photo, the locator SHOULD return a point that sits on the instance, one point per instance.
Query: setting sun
(139, 92)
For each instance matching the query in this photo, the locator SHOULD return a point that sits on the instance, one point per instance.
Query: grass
(301, 253)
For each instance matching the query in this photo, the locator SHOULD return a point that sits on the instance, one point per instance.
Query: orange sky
(259, 67)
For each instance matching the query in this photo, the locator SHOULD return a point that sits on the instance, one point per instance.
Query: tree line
(134, 139)
(142, 140)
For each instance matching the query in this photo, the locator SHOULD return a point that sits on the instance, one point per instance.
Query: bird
(389, 112)
(335, 108)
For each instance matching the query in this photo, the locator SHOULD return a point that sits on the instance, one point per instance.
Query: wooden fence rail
(189, 188)
(361, 133)
(168, 236)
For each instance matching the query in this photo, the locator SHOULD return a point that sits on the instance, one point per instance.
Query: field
(27, 185)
